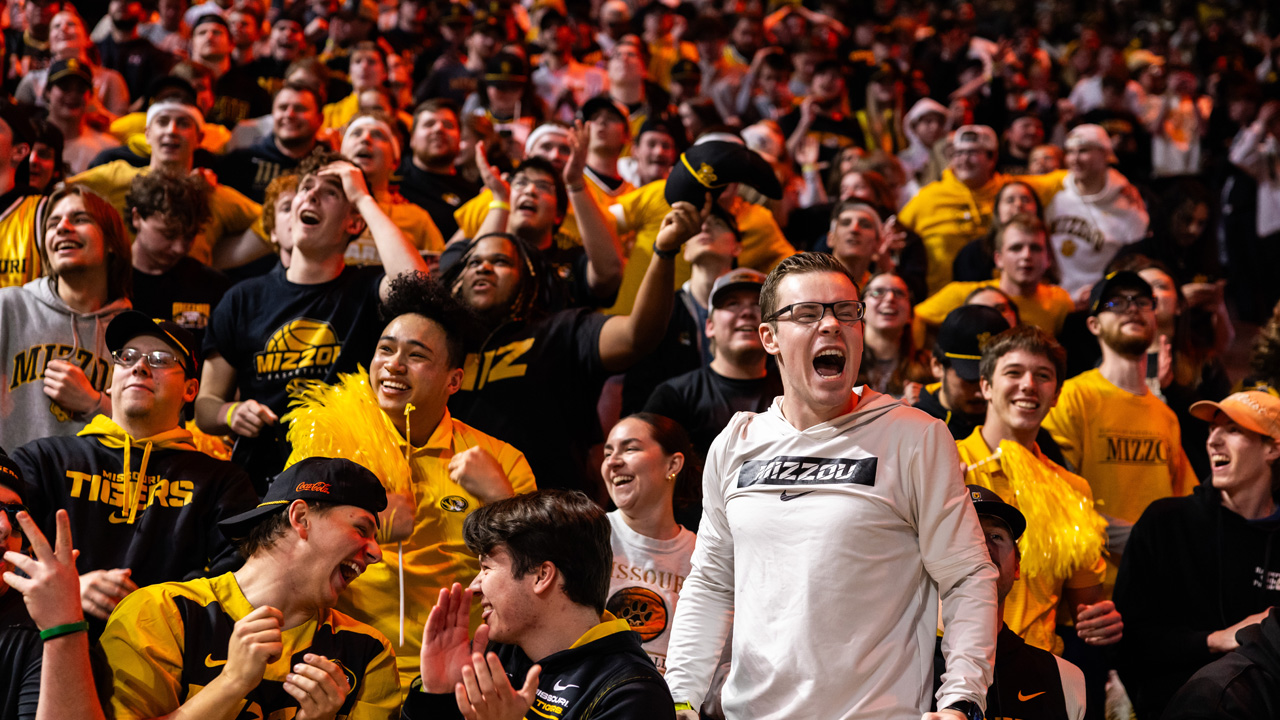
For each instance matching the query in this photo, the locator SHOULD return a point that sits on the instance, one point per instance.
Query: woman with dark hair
(650, 467)
(976, 261)
(890, 361)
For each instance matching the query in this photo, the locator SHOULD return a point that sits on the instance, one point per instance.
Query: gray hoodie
(36, 326)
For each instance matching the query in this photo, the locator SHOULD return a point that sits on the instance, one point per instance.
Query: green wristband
(58, 631)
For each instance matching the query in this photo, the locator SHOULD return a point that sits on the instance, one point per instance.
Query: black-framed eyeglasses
(879, 292)
(156, 359)
(12, 510)
(1120, 304)
(846, 312)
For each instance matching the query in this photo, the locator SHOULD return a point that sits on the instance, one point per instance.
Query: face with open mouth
(818, 361)
(343, 544)
(370, 148)
(491, 276)
(506, 601)
(1022, 390)
(174, 136)
(888, 303)
(411, 365)
(73, 238)
(533, 202)
(1239, 457)
(321, 211)
(637, 472)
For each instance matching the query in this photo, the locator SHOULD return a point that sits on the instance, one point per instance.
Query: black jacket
(609, 678)
(20, 659)
(1191, 567)
(1244, 684)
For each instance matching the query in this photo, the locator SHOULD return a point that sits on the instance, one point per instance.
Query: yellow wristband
(231, 411)
(683, 706)
(499, 205)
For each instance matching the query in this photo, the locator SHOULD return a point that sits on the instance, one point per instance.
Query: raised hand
(446, 642)
(477, 471)
(485, 692)
(683, 222)
(255, 643)
(489, 174)
(51, 589)
(102, 590)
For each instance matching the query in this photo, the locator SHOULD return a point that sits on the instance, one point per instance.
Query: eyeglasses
(880, 292)
(542, 186)
(12, 510)
(156, 359)
(1121, 303)
(846, 312)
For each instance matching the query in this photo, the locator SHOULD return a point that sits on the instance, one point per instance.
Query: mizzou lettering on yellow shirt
(300, 346)
(109, 488)
(19, 241)
(29, 365)
(481, 369)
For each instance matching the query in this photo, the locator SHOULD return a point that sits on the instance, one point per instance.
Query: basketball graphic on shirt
(643, 609)
(299, 347)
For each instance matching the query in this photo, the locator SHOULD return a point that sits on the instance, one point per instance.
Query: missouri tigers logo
(454, 503)
(300, 347)
(643, 609)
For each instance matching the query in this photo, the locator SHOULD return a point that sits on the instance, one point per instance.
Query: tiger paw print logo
(643, 609)
(301, 346)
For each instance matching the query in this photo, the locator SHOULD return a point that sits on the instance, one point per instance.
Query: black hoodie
(1243, 684)
(1191, 567)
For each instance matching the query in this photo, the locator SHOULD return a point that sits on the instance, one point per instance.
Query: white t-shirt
(646, 581)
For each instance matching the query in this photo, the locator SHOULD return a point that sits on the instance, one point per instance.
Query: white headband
(382, 125)
(190, 111)
(540, 131)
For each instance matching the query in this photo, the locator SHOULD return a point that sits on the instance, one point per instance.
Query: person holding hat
(653, 152)
(1093, 212)
(266, 639)
(956, 398)
(1113, 430)
(20, 253)
(738, 378)
(563, 83)
(174, 132)
(239, 97)
(840, 492)
(374, 146)
(1029, 681)
(52, 342)
(1021, 375)
(1213, 551)
(66, 94)
(134, 484)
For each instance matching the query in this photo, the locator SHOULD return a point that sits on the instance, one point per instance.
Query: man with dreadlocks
(553, 363)
(437, 470)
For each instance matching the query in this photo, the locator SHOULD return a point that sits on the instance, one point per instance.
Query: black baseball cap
(506, 67)
(685, 69)
(987, 502)
(211, 17)
(604, 102)
(70, 68)
(19, 122)
(708, 167)
(11, 474)
(1107, 287)
(333, 480)
(131, 324)
(964, 332)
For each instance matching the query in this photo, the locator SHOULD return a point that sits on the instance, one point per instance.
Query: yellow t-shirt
(1031, 608)
(1129, 447)
(642, 211)
(230, 213)
(165, 643)
(337, 114)
(1047, 309)
(20, 241)
(435, 556)
(412, 220)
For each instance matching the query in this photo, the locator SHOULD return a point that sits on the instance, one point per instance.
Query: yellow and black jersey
(166, 642)
(20, 218)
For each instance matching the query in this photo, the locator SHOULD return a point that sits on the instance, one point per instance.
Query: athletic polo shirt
(165, 643)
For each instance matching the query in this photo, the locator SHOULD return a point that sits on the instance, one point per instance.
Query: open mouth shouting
(308, 217)
(829, 363)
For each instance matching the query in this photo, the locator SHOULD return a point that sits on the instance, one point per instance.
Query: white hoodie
(37, 326)
(828, 548)
(1088, 230)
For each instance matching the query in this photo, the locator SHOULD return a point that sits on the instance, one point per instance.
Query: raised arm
(625, 338)
(495, 221)
(604, 250)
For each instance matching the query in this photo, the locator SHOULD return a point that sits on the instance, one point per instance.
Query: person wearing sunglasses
(1110, 426)
(142, 498)
(835, 493)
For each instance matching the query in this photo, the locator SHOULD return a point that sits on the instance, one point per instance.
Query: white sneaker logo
(561, 688)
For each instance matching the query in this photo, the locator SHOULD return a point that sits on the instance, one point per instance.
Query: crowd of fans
(629, 359)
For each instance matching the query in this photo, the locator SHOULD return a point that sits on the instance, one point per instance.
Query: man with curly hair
(165, 212)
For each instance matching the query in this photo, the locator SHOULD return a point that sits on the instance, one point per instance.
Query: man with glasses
(1112, 429)
(144, 501)
(833, 526)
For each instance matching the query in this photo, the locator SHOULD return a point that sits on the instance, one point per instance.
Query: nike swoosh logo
(210, 662)
(1024, 698)
(785, 497)
(560, 688)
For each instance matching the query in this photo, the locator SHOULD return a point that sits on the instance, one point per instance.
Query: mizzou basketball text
(300, 347)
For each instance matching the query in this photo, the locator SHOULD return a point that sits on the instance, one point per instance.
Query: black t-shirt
(276, 333)
(20, 659)
(250, 170)
(448, 78)
(137, 60)
(1129, 140)
(187, 294)
(682, 349)
(239, 98)
(703, 401)
(438, 194)
(535, 385)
